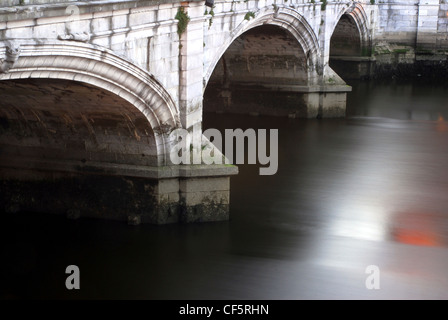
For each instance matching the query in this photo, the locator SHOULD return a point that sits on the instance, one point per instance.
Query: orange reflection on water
(414, 228)
(416, 238)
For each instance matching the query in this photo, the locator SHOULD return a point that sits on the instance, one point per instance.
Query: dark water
(367, 190)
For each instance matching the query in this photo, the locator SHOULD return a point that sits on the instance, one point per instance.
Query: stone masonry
(91, 90)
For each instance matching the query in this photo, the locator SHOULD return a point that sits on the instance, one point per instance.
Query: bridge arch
(282, 17)
(351, 43)
(103, 72)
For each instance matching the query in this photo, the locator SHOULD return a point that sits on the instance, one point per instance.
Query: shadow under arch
(285, 18)
(360, 19)
(351, 44)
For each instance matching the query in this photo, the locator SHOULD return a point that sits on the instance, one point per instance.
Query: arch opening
(349, 48)
(346, 40)
(262, 71)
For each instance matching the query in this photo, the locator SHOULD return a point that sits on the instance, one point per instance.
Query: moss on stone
(183, 19)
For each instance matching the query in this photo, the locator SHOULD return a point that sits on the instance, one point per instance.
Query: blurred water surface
(370, 189)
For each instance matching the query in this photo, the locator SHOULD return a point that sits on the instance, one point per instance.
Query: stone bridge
(91, 90)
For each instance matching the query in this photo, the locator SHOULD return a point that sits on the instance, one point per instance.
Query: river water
(368, 190)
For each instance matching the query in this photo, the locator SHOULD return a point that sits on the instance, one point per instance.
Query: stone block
(102, 41)
(433, 12)
(193, 89)
(164, 14)
(101, 24)
(164, 6)
(103, 14)
(119, 21)
(334, 105)
(172, 197)
(312, 103)
(206, 197)
(139, 18)
(171, 80)
(192, 46)
(165, 186)
(192, 34)
(195, 9)
(18, 33)
(204, 184)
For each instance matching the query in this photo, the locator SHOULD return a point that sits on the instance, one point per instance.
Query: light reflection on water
(367, 190)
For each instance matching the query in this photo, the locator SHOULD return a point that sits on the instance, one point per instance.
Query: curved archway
(264, 71)
(350, 44)
(285, 18)
(102, 69)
